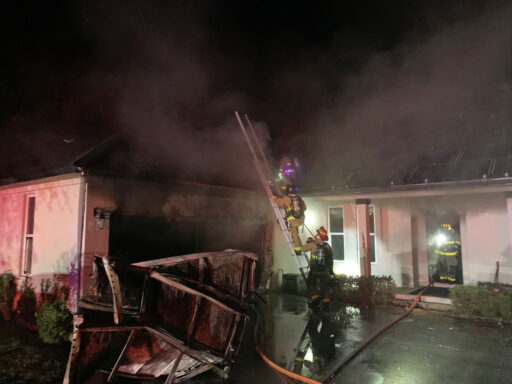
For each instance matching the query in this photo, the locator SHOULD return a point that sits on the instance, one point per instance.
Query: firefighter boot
(314, 301)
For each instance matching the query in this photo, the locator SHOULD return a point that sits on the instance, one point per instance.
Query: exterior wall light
(100, 215)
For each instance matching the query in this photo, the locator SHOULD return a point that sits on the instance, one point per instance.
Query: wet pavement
(432, 347)
(312, 342)
(425, 347)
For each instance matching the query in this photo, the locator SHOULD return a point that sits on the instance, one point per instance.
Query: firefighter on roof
(321, 267)
(294, 208)
(447, 248)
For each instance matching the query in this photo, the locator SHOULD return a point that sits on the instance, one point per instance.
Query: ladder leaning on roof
(268, 181)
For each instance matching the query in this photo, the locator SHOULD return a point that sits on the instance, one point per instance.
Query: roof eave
(424, 189)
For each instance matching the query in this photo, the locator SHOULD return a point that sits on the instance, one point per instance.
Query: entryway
(444, 248)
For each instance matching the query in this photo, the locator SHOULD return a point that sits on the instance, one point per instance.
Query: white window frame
(26, 267)
(336, 233)
(374, 233)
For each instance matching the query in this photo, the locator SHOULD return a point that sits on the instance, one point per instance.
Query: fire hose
(283, 373)
(287, 375)
(373, 336)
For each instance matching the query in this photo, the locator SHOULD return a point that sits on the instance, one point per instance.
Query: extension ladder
(268, 181)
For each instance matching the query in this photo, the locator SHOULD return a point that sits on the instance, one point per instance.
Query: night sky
(341, 84)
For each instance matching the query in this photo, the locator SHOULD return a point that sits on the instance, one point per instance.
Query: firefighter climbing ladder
(267, 180)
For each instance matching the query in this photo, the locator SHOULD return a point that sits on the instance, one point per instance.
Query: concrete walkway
(434, 298)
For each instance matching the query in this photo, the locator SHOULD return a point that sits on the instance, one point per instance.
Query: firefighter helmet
(322, 233)
(291, 189)
(447, 228)
(289, 167)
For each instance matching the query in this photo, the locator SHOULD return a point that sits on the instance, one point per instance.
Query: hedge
(482, 302)
(364, 290)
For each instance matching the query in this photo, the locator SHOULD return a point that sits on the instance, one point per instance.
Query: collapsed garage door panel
(190, 316)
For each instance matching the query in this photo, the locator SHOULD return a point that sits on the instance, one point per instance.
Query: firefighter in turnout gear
(447, 250)
(321, 331)
(322, 343)
(294, 208)
(321, 267)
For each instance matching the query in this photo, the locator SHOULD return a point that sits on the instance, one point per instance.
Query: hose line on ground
(366, 341)
(287, 375)
(284, 373)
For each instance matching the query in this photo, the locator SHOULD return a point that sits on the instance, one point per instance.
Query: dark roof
(121, 156)
(479, 162)
(31, 159)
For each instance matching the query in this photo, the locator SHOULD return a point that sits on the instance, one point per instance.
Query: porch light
(99, 218)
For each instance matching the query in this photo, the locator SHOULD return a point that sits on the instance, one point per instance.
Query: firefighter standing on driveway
(447, 249)
(294, 208)
(321, 264)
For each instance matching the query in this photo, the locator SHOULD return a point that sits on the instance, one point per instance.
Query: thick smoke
(171, 101)
(435, 93)
(170, 75)
(152, 74)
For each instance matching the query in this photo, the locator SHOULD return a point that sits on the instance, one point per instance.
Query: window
(372, 233)
(336, 233)
(30, 207)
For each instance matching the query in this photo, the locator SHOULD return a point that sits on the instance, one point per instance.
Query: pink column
(363, 235)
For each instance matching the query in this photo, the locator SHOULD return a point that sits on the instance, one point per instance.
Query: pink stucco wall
(485, 219)
(56, 226)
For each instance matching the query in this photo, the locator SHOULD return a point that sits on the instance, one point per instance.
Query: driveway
(425, 347)
(433, 347)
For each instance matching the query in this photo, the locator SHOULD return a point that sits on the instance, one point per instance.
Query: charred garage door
(138, 238)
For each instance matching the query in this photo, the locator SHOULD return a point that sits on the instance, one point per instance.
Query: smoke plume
(432, 93)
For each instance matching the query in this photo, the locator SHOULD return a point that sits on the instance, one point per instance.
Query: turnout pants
(318, 286)
(447, 268)
(294, 231)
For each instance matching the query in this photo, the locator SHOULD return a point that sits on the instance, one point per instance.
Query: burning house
(150, 262)
(395, 220)
(56, 221)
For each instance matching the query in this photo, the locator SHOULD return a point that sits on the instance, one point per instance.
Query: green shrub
(364, 290)
(383, 286)
(45, 288)
(482, 302)
(7, 294)
(53, 289)
(54, 322)
(27, 305)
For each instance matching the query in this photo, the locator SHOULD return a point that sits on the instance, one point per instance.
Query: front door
(444, 249)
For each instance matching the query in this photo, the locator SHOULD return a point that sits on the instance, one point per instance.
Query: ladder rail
(267, 180)
(270, 195)
(267, 169)
(269, 177)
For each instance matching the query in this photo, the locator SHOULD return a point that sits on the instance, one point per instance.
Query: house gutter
(425, 189)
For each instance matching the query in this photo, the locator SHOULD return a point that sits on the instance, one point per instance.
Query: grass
(24, 358)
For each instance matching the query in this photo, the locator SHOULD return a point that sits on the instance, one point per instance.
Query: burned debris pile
(169, 319)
